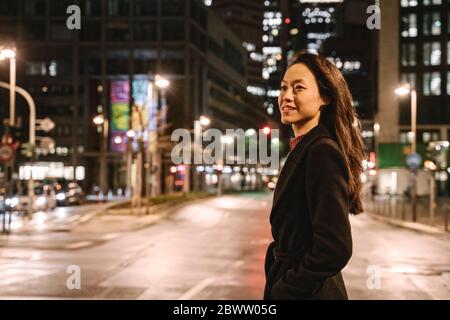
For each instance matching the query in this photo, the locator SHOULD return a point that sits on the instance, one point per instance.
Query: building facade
(109, 68)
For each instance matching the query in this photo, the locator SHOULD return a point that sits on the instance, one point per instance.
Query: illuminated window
(409, 25)
(432, 84)
(432, 53)
(409, 78)
(408, 54)
(431, 2)
(448, 83)
(432, 23)
(408, 3)
(448, 52)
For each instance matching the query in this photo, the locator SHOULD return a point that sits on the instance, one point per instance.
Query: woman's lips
(287, 109)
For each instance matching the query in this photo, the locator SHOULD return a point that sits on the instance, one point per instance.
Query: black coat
(310, 225)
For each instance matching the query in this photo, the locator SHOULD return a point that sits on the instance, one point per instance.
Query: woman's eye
(282, 88)
(298, 88)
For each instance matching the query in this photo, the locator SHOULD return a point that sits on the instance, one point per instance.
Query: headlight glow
(41, 201)
(60, 196)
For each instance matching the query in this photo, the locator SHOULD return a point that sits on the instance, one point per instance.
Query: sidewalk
(398, 211)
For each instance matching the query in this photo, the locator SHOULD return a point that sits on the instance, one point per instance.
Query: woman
(318, 186)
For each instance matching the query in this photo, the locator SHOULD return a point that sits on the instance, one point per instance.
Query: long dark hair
(339, 117)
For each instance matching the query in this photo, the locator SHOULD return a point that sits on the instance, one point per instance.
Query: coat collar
(293, 159)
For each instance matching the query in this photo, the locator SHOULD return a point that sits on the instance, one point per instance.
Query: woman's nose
(288, 95)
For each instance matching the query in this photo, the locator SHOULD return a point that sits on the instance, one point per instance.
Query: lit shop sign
(120, 114)
(317, 15)
(319, 36)
(50, 170)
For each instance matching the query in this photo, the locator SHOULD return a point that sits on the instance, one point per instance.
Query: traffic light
(266, 130)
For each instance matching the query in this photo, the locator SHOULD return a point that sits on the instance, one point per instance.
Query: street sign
(46, 143)
(45, 124)
(7, 152)
(414, 160)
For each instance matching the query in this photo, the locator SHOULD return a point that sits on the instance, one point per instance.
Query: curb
(164, 210)
(416, 226)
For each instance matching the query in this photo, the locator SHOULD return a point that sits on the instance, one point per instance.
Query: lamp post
(203, 121)
(154, 156)
(225, 140)
(404, 90)
(32, 136)
(100, 120)
(8, 53)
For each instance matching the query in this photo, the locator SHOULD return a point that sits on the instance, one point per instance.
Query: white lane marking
(21, 275)
(110, 236)
(77, 245)
(196, 289)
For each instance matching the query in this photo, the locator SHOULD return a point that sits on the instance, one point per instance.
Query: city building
(414, 48)
(334, 28)
(245, 19)
(110, 68)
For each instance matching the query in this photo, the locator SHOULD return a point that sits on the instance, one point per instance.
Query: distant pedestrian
(319, 184)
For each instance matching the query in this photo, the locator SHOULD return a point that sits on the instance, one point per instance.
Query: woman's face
(299, 100)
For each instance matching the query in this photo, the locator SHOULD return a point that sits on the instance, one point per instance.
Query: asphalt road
(211, 249)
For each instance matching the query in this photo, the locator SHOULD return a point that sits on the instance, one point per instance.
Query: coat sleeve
(328, 203)
(270, 259)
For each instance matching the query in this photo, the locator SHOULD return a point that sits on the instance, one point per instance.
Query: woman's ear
(324, 102)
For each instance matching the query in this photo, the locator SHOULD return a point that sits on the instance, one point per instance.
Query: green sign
(394, 154)
(120, 116)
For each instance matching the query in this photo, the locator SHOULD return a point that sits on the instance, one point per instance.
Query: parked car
(68, 193)
(44, 199)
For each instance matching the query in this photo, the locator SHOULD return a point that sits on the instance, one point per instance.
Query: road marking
(77, 245)
(110, 236)
(196, 289)
(85, 218)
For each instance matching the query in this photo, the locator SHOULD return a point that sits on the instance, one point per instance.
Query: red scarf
(294, 141)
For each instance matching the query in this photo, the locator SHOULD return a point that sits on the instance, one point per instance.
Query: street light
(404, 90)
(131, 133)
(152, 154)
(32, 134)
(7, 53)
(204, 121)
(161, 82)
(100, 120)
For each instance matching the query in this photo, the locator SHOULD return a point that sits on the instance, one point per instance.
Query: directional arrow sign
(45, 124)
